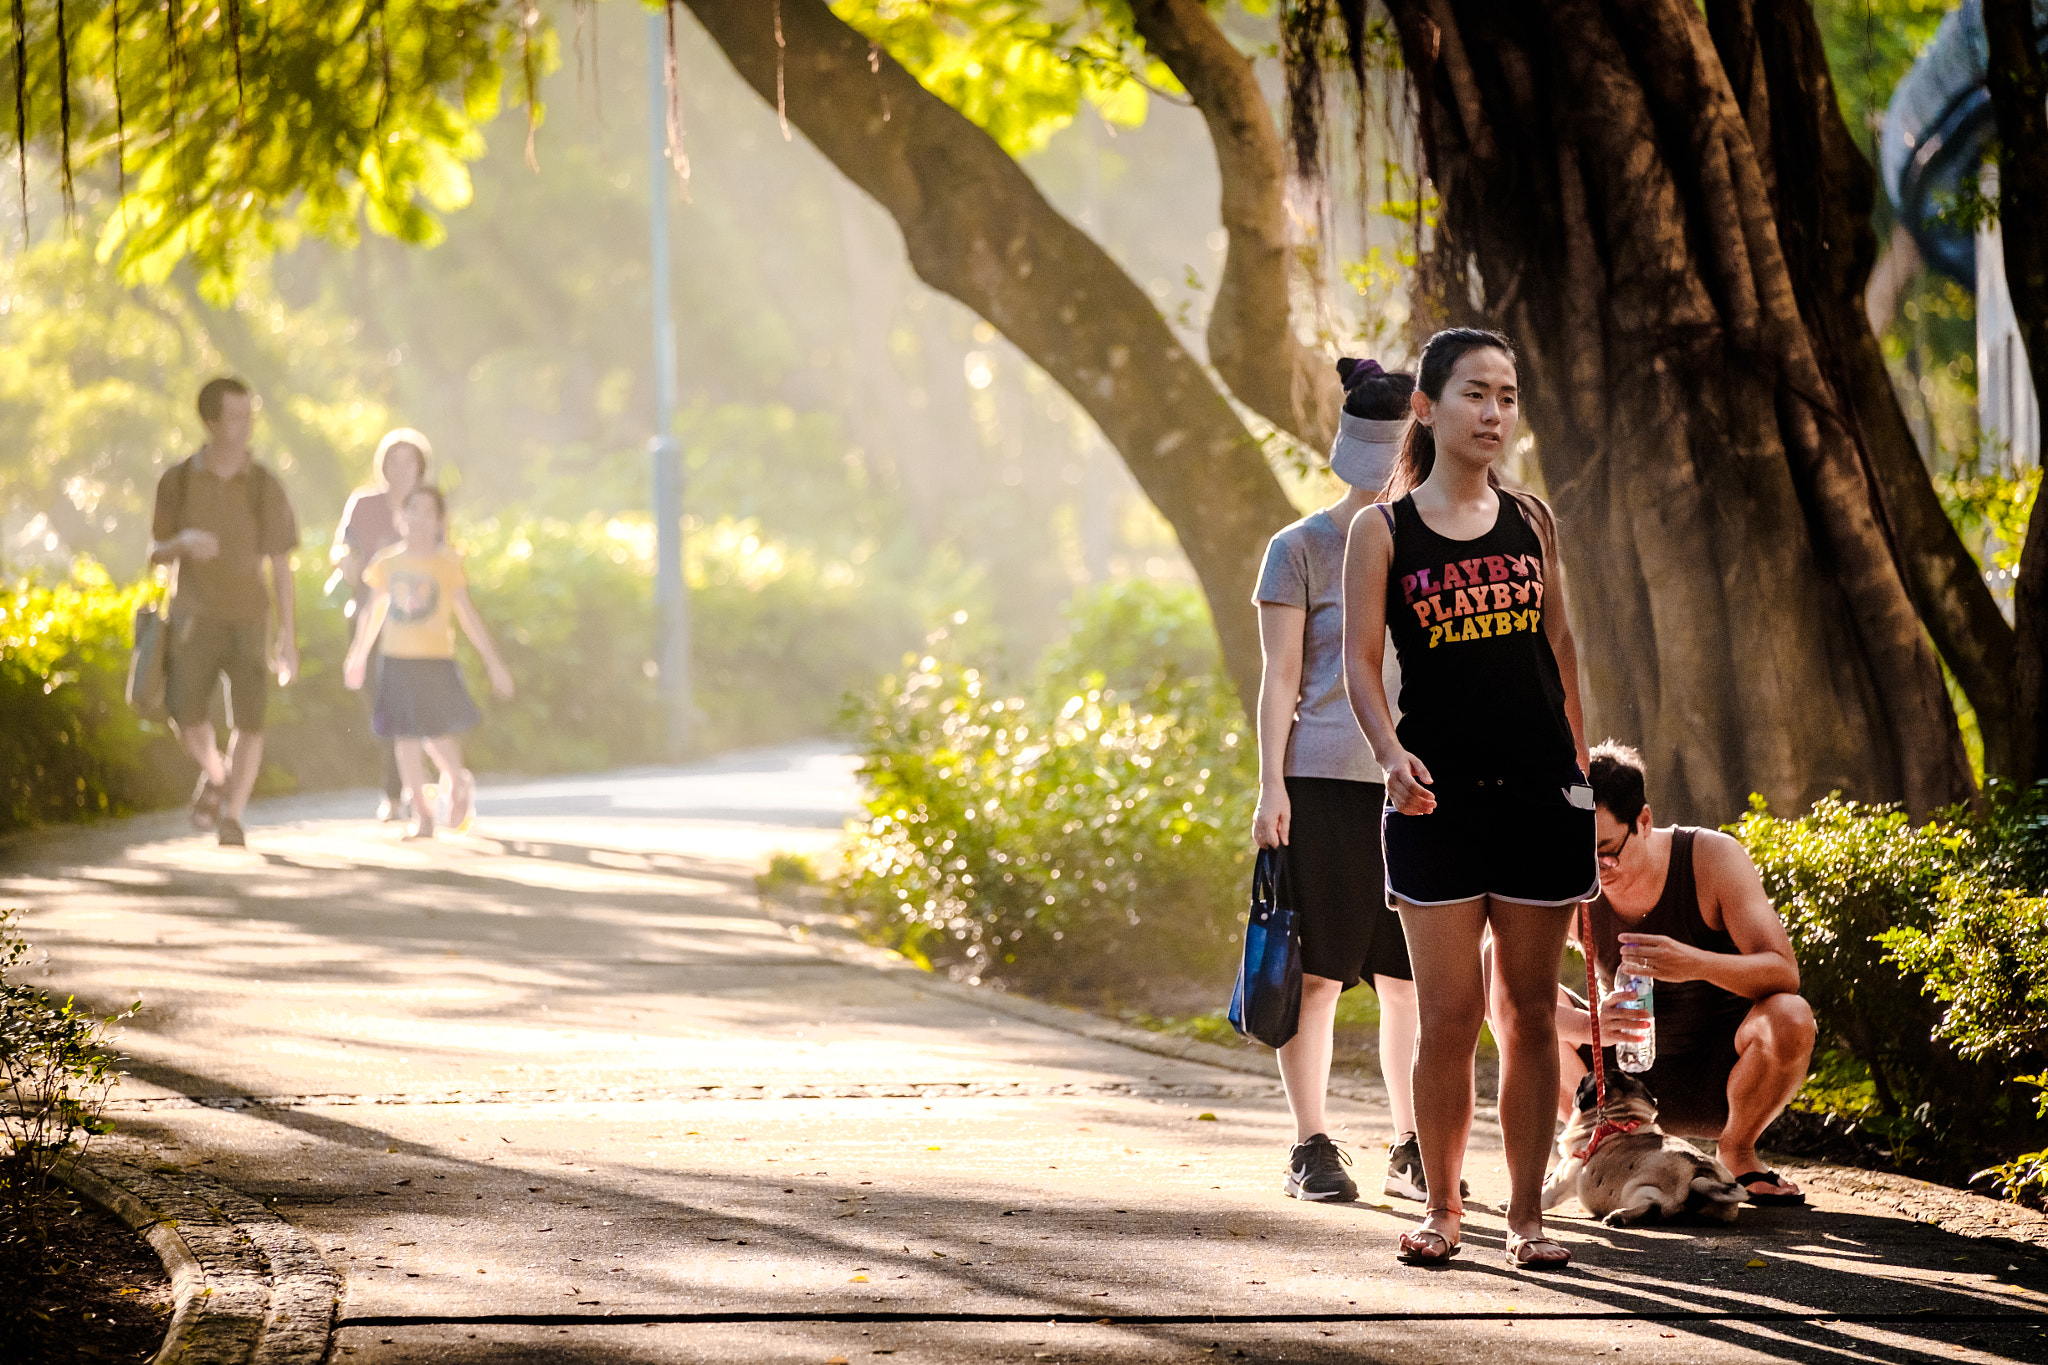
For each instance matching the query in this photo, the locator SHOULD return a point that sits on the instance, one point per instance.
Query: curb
(249, 1289)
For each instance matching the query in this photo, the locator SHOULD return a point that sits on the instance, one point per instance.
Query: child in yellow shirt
(420, 700)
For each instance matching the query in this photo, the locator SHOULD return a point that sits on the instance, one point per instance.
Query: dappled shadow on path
(348, 963)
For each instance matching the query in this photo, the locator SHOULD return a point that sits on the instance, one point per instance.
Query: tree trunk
(1740, 610)
(1251, 326)
(978, 229)
(2017, 78)
(1823, 224)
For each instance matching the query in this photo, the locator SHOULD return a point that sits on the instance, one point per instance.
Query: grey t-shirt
(1305, 568)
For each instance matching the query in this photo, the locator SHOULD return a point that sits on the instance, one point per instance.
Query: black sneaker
(206, 804)
(1405, 1179)
(231, 835)
(1315, 1170)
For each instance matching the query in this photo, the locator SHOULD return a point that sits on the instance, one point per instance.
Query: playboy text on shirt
(1477, 599)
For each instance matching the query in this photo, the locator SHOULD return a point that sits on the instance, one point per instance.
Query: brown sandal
(1529, 1253)
(1427, 1246)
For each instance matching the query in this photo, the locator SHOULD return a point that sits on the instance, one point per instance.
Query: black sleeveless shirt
(1690, 1014)
(1480, 692)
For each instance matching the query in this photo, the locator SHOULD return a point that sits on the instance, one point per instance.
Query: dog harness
(1602, 1130)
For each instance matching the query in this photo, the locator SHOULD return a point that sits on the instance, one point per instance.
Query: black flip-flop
(1754, 1178)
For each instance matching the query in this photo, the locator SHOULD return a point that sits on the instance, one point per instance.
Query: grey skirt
(421, 699)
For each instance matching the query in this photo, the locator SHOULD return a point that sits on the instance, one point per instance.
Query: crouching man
(1686, 907)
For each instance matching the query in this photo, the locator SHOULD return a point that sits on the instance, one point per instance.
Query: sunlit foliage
(1020, 69)
(229, 129)
(97, 383)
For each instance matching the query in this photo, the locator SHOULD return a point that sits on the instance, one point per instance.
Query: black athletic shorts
(1335, 873)
(204, 651)
(1513, 838)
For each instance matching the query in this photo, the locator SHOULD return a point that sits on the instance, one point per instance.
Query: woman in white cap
(1320, 796)
(369, 526)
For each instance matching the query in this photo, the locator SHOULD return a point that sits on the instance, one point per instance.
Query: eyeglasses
(1613, 859)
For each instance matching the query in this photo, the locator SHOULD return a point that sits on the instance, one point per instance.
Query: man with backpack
(220, 518)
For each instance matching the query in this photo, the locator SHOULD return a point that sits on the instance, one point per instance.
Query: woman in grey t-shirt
(1320, 796)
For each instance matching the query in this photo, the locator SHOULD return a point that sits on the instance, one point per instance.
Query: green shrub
(1986, 958)
(70, 747)
(778, 640)
(1924, 950)
(1841, 875)
(1070, 836)
(55, 1071)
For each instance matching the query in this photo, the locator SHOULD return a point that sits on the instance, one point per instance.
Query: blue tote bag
(1267, 1003)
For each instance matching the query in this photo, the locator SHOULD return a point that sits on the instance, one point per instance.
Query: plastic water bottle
(1638, 1056)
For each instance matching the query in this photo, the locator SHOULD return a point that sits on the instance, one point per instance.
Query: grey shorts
(205, 651)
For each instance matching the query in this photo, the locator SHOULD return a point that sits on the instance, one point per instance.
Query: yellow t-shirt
(421, 622)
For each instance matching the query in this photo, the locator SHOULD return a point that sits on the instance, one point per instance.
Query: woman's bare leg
(1305, 1058)
(412, 770)
(447, 752)
(1528, 941)
(455, 779)
(1443, 947)
(1397, 1048)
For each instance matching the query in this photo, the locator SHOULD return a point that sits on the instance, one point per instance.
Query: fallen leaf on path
(129, 1291)
(858, 1279)
(406, 1181)
(1205, 1117)
(838, 1360)
(1754, 1265)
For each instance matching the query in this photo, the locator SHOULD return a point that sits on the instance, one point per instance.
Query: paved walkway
(562, 1090)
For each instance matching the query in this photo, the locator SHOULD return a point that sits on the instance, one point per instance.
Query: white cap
(1365, 450)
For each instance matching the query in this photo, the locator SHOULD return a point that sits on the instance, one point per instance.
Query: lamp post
(671, 596)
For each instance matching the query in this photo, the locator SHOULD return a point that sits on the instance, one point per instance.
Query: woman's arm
(1280, 635)
(1557, 624)
(368, 623)
(473, 626)
(1368, 554)
(343, 552)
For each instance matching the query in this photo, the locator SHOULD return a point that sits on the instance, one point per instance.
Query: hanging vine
(781, 74)
(64, 114)
(120, 117)
(529, 71)
(234, 8)
(672, 87)
(21, 109)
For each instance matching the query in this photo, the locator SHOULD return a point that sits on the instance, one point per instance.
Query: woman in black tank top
(1489, 823)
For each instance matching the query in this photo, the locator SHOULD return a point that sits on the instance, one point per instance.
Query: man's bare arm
(286, 592)
(1731, 898)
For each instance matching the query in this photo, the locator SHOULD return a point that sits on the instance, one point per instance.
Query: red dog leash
(1603, 1129)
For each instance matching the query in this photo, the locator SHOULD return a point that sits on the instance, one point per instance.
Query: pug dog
(1640, 1175)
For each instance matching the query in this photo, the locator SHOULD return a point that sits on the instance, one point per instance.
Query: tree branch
(1823, 222)
(977, 228)
(2017, 76)
(1251, 331)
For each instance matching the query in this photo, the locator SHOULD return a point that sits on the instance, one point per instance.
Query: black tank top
(1690, 1014)
(1480, 691)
